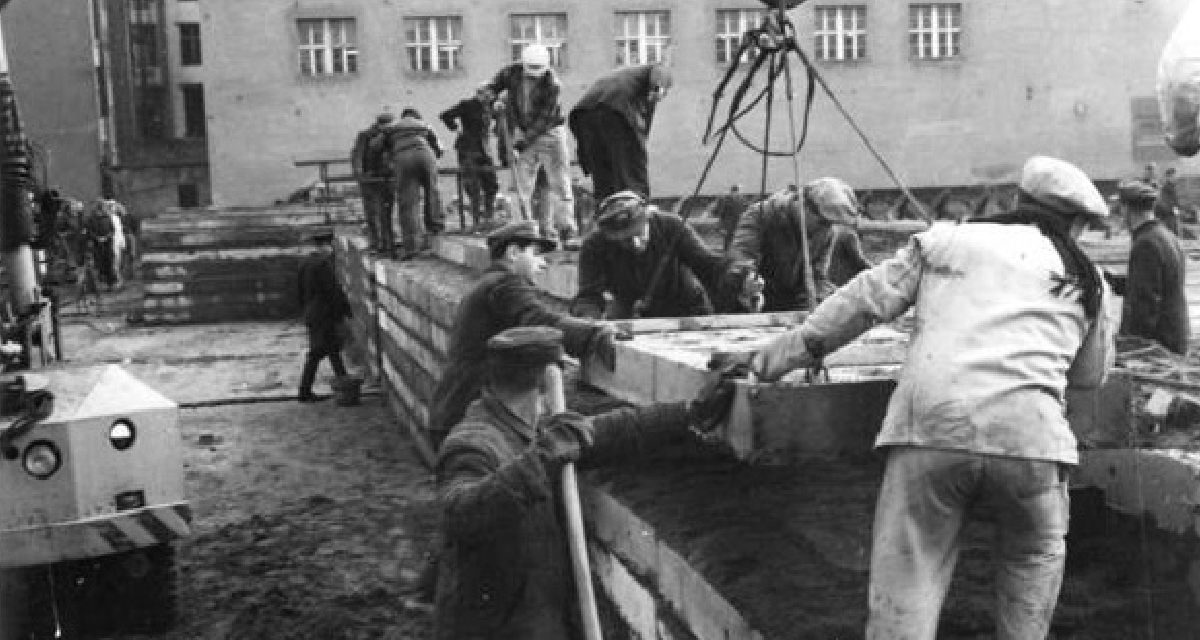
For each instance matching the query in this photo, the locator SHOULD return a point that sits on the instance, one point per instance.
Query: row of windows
(434, 43)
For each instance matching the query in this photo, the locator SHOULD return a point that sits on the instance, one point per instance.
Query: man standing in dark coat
(479, 172)
(1155, 305)
(414, 149)
(506, 571)
(324, 306)
(769, 237)
(505, 297)
(373, 171)
(611, 123)
(728, 210)
(622, 255)
(1166, 208)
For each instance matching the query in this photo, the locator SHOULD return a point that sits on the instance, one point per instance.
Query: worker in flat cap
(1155, 303)
(325, 308)
(633, 241)
(373, 172)
(1010, 312)
(506, 570)
(611, 123)
(771, 236)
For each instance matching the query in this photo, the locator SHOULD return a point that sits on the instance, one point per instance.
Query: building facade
(949, 93)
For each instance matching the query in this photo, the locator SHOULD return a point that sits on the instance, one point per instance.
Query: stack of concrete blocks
(229, 264)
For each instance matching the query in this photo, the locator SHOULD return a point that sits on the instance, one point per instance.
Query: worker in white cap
(533, 116)
(1009, 312)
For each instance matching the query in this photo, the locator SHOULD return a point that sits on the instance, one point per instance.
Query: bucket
(347, 390)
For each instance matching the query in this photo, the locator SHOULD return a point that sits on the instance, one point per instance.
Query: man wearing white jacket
(1008, 312)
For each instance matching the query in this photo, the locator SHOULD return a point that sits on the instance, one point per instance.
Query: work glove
(604, 347)
(563, 438)
(783, 353)
(708, 410)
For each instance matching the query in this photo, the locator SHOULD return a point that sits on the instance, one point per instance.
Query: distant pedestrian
(728, 210)
(325, 307)
(472, 119)
(611, 123)
(373, 171)
(533, 121)
(1166, 208)
(1155, 305)
(101, 234)
(415, 149)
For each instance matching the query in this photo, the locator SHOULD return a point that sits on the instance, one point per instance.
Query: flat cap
(834, 200)
(384, 118)
(321, 238)
(523, 231)
(525, 347)
(621, 214)
(1062, 187)
(1137, 192)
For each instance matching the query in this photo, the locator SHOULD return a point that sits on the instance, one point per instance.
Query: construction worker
(414, 149)
(506, 571)
(1166, 207)
(472, 119)
(534, 124)
(611, 123)
(621, 256)
(768, 236)
(1155, 304)
(1010, 312)
(504, 297)
(728, 210)
(102, 234)
(325, 307)
(373, 171)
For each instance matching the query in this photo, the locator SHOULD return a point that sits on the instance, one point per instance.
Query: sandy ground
(309, 519)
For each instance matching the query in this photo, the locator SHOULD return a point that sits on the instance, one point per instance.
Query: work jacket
(504, 570)
(768, 236)
(606, 266)
(999, 335)
(533, 103)
(319, 294)
(626, 91)
(412, 134)
(470, 118)
(501, 300)
(1155, 305)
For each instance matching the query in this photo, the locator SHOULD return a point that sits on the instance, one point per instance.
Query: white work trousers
(549, 150)
(918, 519)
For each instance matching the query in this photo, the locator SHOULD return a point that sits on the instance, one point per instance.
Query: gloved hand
(781, 354)
(563, 438)
(712, 405)
(520, 145)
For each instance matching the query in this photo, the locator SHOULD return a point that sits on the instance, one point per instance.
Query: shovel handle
(576, 539)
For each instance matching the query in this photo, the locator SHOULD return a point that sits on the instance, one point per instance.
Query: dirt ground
(309, 519)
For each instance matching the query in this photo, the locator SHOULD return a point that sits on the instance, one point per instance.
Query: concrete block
(430, 361)
(416, 408)
(1102, 417)
(1163, 483)
(622, 532)
(634, 602)
(701, 609)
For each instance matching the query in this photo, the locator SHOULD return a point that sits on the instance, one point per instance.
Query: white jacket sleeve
(1096, 354)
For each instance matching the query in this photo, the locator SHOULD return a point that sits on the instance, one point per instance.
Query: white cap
(535, 55)
(1062, 186)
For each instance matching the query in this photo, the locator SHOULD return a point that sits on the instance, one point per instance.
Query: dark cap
(523, 231)
(1137, 192)
(384, 118)
(621, 214)
(321, 238)
(525, 347)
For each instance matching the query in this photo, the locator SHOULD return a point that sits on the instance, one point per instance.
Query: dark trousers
(416, 173)
(102, 257)
(378, 197)
(610, 151)
(323, 342)
(480, 183)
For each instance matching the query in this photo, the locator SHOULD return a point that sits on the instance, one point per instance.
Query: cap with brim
(1061, 187)
(523, 231)
(1137, 192)
(621, 214)
(321, 238)
(834, 199)
(384, 118)
(525, 347)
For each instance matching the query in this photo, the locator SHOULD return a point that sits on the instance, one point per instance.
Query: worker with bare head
(506, 570)
(1009, 313)
(472, 119)
(534, 125)
(771, 236)
(632, 242)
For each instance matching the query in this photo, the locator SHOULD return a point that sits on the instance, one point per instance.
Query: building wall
(1040, 76)
(50, 57)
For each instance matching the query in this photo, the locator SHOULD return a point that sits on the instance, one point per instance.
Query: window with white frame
(840, 33)
(731, 24)
(546, 29)
(642, 37)
(433, 43)
(328, 47)
(934, 31)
